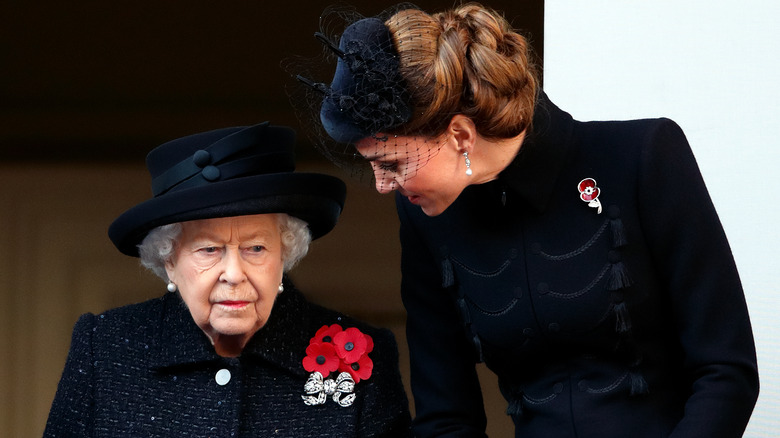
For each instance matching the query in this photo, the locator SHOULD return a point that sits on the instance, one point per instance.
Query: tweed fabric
(629, 322)
(146, 370)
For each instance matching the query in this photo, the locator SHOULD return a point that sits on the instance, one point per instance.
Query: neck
(229, 345)
(491, 157)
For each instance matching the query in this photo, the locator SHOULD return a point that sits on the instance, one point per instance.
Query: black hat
(229, 172)
(367, 94)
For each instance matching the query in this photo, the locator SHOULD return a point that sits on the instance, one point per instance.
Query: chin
(431, 213)
(435, 209)
(233, 328)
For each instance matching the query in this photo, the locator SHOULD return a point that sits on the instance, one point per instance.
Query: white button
(222, 377)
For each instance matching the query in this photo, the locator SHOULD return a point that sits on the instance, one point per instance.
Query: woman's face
(430, 173)
(228, 272)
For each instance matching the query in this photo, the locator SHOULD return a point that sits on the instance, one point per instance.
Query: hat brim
(314, 198)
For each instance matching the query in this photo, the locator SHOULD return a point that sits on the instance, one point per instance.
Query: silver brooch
(319, 389)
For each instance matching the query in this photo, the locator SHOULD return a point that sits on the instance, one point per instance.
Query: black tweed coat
(626, 322)
(146, 370)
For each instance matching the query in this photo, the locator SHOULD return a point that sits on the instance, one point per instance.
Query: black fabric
(238, 140)
(148, 370)
(631, 322)
(367, 94)
(235, 171)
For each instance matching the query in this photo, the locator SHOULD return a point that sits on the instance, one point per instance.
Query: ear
(463, 131)
(170, 270)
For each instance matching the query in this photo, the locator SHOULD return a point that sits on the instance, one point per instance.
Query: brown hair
(467, 60)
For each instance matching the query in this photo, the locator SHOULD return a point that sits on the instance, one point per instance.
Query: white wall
(713, 68)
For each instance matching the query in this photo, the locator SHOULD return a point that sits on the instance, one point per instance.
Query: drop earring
(281, 287)
(468, 163)
(171, 286)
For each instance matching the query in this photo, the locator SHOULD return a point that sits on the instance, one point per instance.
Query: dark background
(96, 80)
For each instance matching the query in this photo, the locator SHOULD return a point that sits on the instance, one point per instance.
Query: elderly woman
(622, 315)
(233, 349)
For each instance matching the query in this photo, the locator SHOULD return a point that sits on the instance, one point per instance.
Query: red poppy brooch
(344, 353)
(589, 193)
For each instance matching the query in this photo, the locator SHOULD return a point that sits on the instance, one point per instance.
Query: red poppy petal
(321, 331)
(350, 344)
(326, 333)
(346, 368)
(585, 183)
(366, 367)
(321, 357)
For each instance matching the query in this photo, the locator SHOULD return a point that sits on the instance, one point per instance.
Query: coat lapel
(179, 340)
(284, 338)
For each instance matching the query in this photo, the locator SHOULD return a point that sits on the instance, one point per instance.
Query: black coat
(146, 370)
(629, 322)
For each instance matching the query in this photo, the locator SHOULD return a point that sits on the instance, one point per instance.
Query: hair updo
(469, 61)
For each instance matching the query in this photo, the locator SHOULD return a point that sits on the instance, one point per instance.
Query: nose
(385, 181)
(385, 186)
(233, 272)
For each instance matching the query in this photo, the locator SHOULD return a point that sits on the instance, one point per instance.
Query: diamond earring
(468, 163)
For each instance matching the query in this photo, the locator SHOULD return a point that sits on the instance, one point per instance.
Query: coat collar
(533, 173)
(282, 341)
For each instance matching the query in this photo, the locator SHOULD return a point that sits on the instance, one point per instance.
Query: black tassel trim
(447, 275)
(478, 348)
(622, 318)
(638, 383)
(618, 277)
(515, 407)
(464, 311)
(618, 233)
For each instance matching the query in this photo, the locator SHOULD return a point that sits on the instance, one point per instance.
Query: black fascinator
(366, 95)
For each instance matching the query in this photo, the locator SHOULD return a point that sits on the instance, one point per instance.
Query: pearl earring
(281, 287)
(171, 287)
(468, 163)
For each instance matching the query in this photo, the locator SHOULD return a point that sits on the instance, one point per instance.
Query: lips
(234, 304)
(414, 199)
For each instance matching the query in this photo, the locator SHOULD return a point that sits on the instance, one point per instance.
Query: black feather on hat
(229, 172)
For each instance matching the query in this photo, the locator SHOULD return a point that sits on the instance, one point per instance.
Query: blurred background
(87, 88)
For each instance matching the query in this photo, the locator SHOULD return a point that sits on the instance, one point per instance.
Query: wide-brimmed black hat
(229, 172)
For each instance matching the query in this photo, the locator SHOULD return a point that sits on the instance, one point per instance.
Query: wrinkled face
(429, 172)
(228, 272)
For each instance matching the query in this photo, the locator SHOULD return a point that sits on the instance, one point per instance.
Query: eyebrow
(207, 235)
(375, 157)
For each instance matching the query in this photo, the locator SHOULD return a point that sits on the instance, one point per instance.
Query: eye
(387, 166)
(257, 248)
(208, 252)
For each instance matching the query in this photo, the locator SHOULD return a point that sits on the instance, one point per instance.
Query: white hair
(159, 246)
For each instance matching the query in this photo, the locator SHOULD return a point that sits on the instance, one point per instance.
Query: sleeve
(445, 386)
(694, 260)
(71, 413)
(385, 411)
